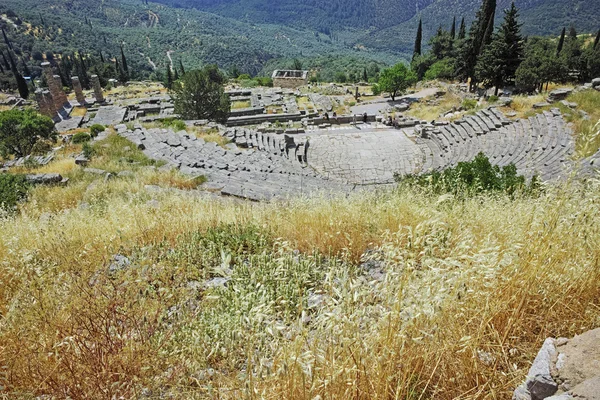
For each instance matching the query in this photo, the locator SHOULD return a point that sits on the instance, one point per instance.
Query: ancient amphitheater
(262, 166)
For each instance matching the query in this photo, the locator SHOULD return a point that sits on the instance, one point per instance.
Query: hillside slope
(391, 24)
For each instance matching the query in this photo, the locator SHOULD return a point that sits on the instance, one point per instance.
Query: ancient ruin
(97, 89)
(78, 90)
(289, 78)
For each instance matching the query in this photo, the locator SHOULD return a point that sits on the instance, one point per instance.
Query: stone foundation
(289, 78)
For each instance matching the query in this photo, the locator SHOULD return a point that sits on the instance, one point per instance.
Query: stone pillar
(61, 94)
(45, 102)
(78, 90)
(58, 95)
(97, 89)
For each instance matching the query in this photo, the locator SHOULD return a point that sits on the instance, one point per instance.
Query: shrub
(474, 177)
(13, 188)
(492, 99)
(41, 147)
(176, 124)
(21, 129)
(443, 69)
(88, 151)
(244, 77)
(81, 137)
(96, 129)
(469, 104)
(376, 90)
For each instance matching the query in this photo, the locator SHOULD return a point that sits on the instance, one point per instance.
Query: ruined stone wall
(289, 83)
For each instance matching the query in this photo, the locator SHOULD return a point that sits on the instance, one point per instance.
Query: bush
(13, 188)
(81, 137)
(88, 151)
(176, 124)
(376, 90)
(96, 129)
(469, 104)
(20, 130)
(41, 147)
(474, 177)
(244, 77)
(492, 99)
(443, 69)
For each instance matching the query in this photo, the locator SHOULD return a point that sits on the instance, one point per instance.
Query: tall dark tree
(475, 43)
(597, 40)
(169, 82)
(462, 31)
(499, 61)
(489, 31)
(124, 61)
(453, 29)
(365, 77)
(441, 45)
(418, 40)
(200, 95)
(561, 42)
(181, 68)
(8, 43)
(102, 57)
(21, 83)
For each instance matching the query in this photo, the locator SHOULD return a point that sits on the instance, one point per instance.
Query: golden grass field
(471, 287)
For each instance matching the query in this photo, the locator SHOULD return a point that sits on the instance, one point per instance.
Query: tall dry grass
(470, 288)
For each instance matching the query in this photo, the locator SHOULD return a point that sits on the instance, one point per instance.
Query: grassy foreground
(469, 290)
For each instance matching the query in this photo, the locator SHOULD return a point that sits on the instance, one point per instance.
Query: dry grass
(426, 112)
(471, 288)
(523, 104)
(236, 105)
(459, 282)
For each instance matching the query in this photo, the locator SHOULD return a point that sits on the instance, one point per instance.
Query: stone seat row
(538, 145)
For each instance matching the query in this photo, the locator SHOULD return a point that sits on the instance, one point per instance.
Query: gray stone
(595, 82)
(119, 263)
(540, 383)
(94, 171)
(126, 174)
(215, 283)
(153, 203)
(559, 94)
(81, 160)
(541, 105)
(44, 179)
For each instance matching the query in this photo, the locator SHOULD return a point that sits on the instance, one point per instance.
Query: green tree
(169, 76)
(453, 29)
(418, 40)
(561, 42)
(296, 64)
(462, 31)
(21, 129)
(442, 69)
(499, 61)
(396, 80)
(200, 94)
(441, 45)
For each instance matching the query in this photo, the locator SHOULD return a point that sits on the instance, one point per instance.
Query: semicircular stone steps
(540, 145)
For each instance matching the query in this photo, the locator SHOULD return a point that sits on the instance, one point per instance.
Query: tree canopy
(396, 80)
(200, 94)
(21, 129)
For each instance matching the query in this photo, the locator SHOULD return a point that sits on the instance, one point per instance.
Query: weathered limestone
(62, 97)
(289, 78)
(78, 90)
(97, 89)
(54, 86)
(45, 103)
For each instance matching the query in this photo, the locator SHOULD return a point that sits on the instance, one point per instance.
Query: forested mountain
(390, 24)
(153, 34)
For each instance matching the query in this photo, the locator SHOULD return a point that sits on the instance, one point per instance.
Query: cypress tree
(418, 40)
(169, 77)
(453, 29)
(6, 40)
(102, 57)
(1, 69)
(181, 68)
(489, 31)
(365, 77)
(596, 40)
(42, 19)
(462, 31)
(561, 42)
(124, 61)
(175, 75)
(21, 83)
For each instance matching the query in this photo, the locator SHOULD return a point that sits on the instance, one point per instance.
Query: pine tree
(500, 59)
(561, 42)
(418, 40)
(462, 31)
(453, 29)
